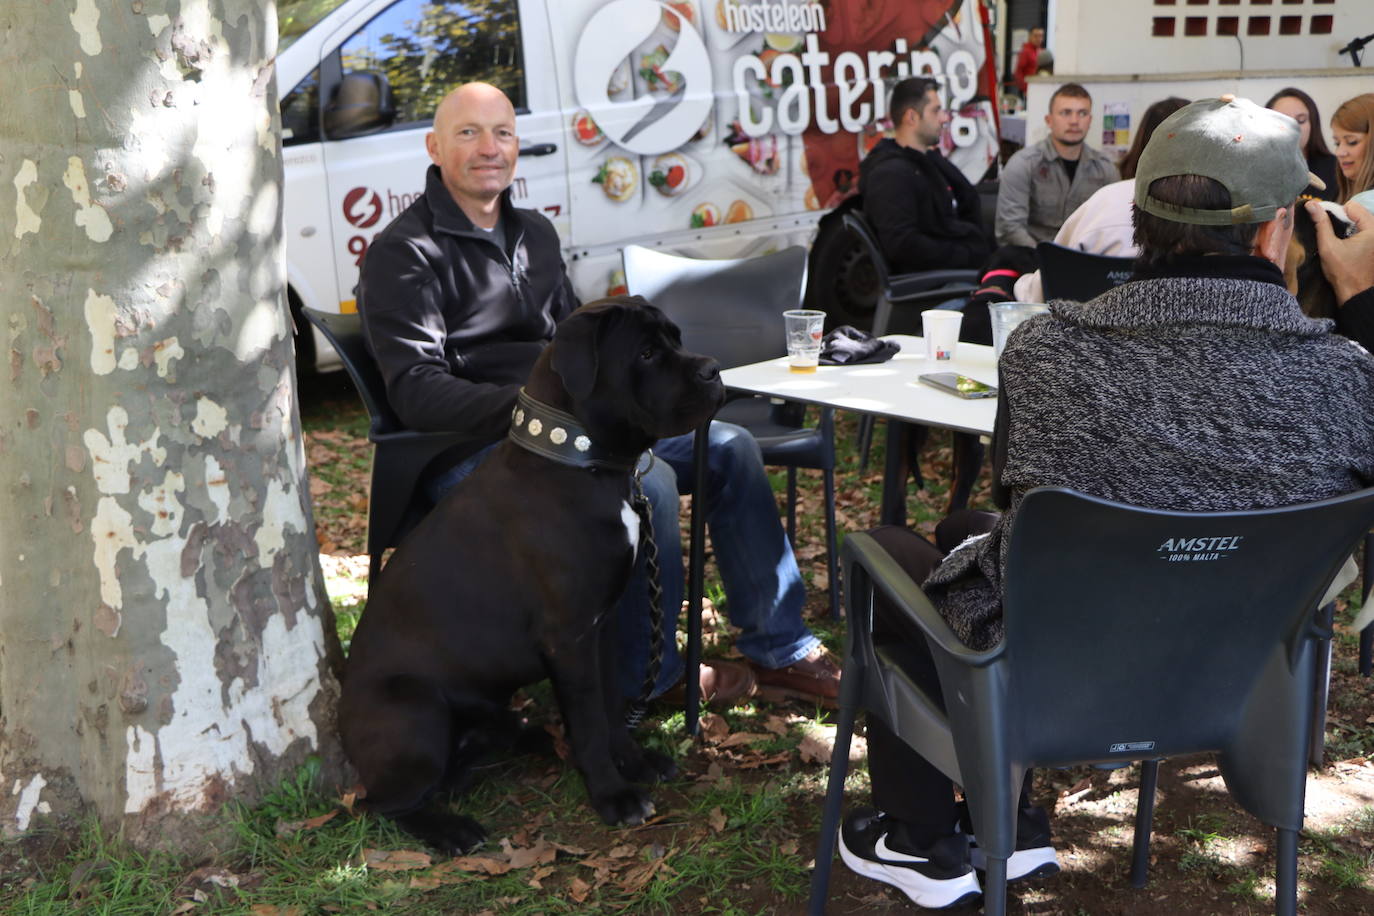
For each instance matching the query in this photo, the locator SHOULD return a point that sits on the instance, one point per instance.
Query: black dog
(514, 578)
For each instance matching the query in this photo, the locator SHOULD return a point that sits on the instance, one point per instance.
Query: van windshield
(296, 17)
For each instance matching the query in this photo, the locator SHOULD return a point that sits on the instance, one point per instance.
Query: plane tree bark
(165, 642)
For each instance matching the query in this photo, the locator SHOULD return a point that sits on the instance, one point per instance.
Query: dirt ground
(1207, 857)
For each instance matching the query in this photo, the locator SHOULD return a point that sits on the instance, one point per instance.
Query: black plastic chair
(1123, 643)
(731, 309)
(396, 500)
(1068, 273)
(914, 290)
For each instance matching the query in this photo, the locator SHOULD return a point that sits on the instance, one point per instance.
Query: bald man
(460, 293)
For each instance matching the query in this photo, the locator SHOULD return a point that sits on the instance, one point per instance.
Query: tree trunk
(165, 642)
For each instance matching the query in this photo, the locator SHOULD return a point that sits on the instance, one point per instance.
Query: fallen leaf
(621, 852)
(425, 882)
(487, 865)
(578, 890)
(739, 738)
(716, 819)
(777, 725)
(286, 828)
(541, 853)
(395, 859)
(753, 763)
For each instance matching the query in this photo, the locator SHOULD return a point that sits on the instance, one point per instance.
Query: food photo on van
(709, 128)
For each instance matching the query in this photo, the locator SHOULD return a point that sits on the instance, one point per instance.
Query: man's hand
(1347, 263)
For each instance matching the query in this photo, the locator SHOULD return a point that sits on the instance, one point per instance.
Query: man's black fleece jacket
(455, 320)
(923, 210)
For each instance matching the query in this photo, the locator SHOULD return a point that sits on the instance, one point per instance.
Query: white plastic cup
(1007, 315)
(941, 330)
(805, 328)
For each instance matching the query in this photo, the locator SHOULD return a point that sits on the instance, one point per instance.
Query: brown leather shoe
(723, 684)
(815, 678)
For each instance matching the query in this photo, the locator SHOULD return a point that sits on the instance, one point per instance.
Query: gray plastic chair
(1120, 646)
(396, 501)
(731, 309)
(1068, 273)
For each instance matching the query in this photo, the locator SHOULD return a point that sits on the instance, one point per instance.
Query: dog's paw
(444, 831)
(647, 766)
(629, 806)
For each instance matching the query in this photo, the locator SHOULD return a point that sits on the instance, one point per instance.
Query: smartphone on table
(961, 385)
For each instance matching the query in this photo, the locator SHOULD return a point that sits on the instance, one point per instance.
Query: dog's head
(618, 365)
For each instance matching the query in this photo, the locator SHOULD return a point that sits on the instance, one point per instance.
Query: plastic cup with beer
(805, 328)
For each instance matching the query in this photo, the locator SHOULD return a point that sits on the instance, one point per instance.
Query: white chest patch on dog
(631, 520)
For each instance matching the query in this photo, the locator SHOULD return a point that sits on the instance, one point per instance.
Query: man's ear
(575, 351)
(432, 147)
(1271, 242)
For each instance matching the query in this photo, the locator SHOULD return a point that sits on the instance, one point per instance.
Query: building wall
(1180, 36)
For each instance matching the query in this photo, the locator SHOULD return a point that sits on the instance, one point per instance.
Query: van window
(426, 47)
(296, 17)
(300, 112)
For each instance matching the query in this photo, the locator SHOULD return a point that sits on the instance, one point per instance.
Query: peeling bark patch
(100, 318)
(29, 801)
(76, 458)
(32, 418)
(25, 219)
(111, 457)
(164, 351)
(86, 22)
(211, 419)
(214, 729)
(16, 365)
(162, 504)
(217, 488)
(279, 509)
(107, 620)
(112, 530)
(74, 100)
(89, 215)
(133, 693)
(71, 507)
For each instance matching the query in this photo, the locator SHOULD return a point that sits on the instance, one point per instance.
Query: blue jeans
(763, 586)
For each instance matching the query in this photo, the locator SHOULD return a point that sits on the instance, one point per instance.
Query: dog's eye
(647, 353)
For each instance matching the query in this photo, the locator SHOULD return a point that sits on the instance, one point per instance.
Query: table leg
(893, 510)
(696, 576)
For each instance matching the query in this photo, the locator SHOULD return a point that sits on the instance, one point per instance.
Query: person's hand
(1347, 263)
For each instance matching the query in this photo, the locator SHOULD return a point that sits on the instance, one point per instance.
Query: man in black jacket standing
(460, 294)
(923, 210)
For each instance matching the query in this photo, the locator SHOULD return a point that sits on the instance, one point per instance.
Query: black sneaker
(937, 877)
(1034, 856)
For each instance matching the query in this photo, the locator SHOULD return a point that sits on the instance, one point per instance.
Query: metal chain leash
(635, 711)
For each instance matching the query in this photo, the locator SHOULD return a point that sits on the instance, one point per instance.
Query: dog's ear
(575, 349)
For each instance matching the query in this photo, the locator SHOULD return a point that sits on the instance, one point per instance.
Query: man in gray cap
(1199, 385)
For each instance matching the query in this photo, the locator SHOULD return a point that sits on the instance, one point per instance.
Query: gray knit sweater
(1178, 393)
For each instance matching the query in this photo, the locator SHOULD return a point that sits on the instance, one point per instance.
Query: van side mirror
(361, 105)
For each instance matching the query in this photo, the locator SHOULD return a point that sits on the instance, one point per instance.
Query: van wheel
(843, 282)
(301, 337)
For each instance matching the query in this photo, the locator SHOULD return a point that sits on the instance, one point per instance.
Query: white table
(889, 390)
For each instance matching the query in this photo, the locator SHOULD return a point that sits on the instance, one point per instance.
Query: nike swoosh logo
(881, 850)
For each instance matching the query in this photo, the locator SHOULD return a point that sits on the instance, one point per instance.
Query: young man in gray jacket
(1044, 183)
(1198, 386)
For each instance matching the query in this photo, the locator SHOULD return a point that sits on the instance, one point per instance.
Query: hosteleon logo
(362, 207)
(650, 124)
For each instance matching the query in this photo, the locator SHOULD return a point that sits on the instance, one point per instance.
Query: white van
(713, 128)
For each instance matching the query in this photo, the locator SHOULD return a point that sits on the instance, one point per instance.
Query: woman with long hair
(1351, 126)
(1299, 106)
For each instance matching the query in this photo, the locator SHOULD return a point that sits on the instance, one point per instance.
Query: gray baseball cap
(1254, 152)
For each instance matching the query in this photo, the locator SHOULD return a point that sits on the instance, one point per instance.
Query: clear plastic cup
(940, 327)
(805, 328)
(1007, 315)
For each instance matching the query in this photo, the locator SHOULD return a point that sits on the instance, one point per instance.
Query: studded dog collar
(546, 431)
